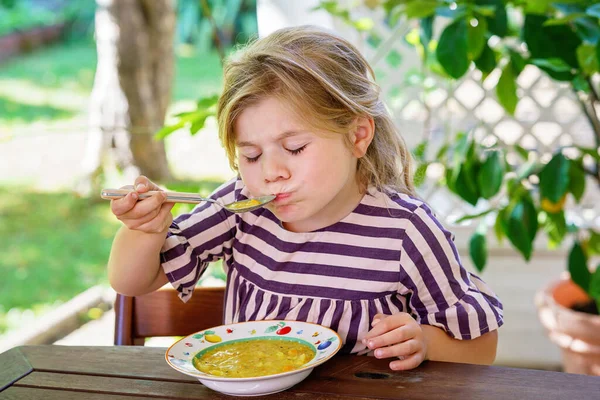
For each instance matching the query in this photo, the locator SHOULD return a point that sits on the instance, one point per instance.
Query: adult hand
(400, 336)
(150, 215)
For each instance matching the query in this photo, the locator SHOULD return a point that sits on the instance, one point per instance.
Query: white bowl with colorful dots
(283, 352)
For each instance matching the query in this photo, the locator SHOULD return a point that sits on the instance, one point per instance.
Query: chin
(288, 213)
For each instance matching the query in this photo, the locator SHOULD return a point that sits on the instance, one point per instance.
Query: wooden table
(132, 372)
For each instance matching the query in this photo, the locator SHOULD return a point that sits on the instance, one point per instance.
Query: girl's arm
(134, 264)
(401, 336)
(441, 347)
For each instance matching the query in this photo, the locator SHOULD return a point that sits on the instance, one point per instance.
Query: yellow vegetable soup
(244, 204)
(254, 357)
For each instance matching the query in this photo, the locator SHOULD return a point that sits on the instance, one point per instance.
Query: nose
(274, 169)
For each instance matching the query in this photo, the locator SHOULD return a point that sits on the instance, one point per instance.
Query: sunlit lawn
(55, 245)
(53, 84)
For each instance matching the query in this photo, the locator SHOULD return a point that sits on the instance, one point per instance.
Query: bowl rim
(204, 376)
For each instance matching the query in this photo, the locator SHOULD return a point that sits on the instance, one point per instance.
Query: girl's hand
(397, 335)
(151, 215)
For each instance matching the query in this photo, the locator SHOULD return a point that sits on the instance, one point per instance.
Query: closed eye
(291, 151)
(298, 150)
(252, 159)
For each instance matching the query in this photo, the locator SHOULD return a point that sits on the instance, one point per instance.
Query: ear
(362, 135)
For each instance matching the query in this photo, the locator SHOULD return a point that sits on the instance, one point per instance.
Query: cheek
(251, 177)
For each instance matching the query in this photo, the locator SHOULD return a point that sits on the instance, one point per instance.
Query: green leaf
(476, 38)
(420, 149)
(207, 102)
(198, 123)
(363, 24)
(463, 186)
(474, 216)
(580, 83)
(554, 178)
(498, 23)
(420, 174)
(577, 179)
(537, 6)
(452, 51)
(553, 64)
(420, 8)
(527, 169)
(588, 60)
(522, 152)
(491, 174)
(555, 226)
(593, 11)
(486, 61)
(478, 250)
(564, 20)
(598, 51)
(506, 89)
(518, 62)
(580, 274)
(593, 244)
(499, 228)
(426, 31)
(521, 226)
(168, 129)
(594, 291)
(587, 29)
(486, 11)
(551, 42)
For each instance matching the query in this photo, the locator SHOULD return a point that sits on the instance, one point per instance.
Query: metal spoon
(191, 198)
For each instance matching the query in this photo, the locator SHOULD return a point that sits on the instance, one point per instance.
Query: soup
(251, 358)
(244, 204)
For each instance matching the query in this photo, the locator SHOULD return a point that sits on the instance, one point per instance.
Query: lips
(282, 196)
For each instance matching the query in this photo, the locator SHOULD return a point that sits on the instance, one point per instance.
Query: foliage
(235, 20)
(528, 196)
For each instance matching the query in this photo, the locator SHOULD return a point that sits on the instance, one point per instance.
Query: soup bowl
(322, 343)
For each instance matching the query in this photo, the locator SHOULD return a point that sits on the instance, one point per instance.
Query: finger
(409, 362)
(140, 222)
(391, 337)
(389, 323)
(122, 206)
(147, 206)
(403, 349)
(377, 318)
(143, 184)
(161, 222)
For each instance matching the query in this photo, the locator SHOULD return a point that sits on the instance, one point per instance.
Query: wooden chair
(162, 313)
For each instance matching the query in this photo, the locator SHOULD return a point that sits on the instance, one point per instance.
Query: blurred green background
(55, 243)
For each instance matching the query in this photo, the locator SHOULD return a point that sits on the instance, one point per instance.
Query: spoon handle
(173, 197)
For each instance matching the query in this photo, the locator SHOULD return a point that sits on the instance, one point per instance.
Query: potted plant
(517, 192)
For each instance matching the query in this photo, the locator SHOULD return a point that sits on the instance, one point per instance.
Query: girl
(346, 243)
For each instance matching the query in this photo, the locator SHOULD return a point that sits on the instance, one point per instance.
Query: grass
(55, 245)
(54, 84)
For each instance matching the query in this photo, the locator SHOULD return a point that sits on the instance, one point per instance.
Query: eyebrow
(284, 135)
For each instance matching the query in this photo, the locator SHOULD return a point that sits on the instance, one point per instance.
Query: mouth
(282, 196)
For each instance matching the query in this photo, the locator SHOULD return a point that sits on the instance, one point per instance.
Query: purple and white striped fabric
(389, 255)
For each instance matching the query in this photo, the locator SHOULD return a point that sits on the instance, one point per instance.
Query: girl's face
(313, 175)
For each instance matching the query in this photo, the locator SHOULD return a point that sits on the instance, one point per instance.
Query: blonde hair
(329, 84)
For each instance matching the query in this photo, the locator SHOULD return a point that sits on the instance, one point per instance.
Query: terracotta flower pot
(577, 333)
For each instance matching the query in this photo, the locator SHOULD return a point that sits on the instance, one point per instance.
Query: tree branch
(216, 35)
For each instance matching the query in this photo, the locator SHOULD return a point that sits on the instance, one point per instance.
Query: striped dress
(389, 255)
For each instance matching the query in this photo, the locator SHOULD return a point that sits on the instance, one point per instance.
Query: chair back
(162, 313)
